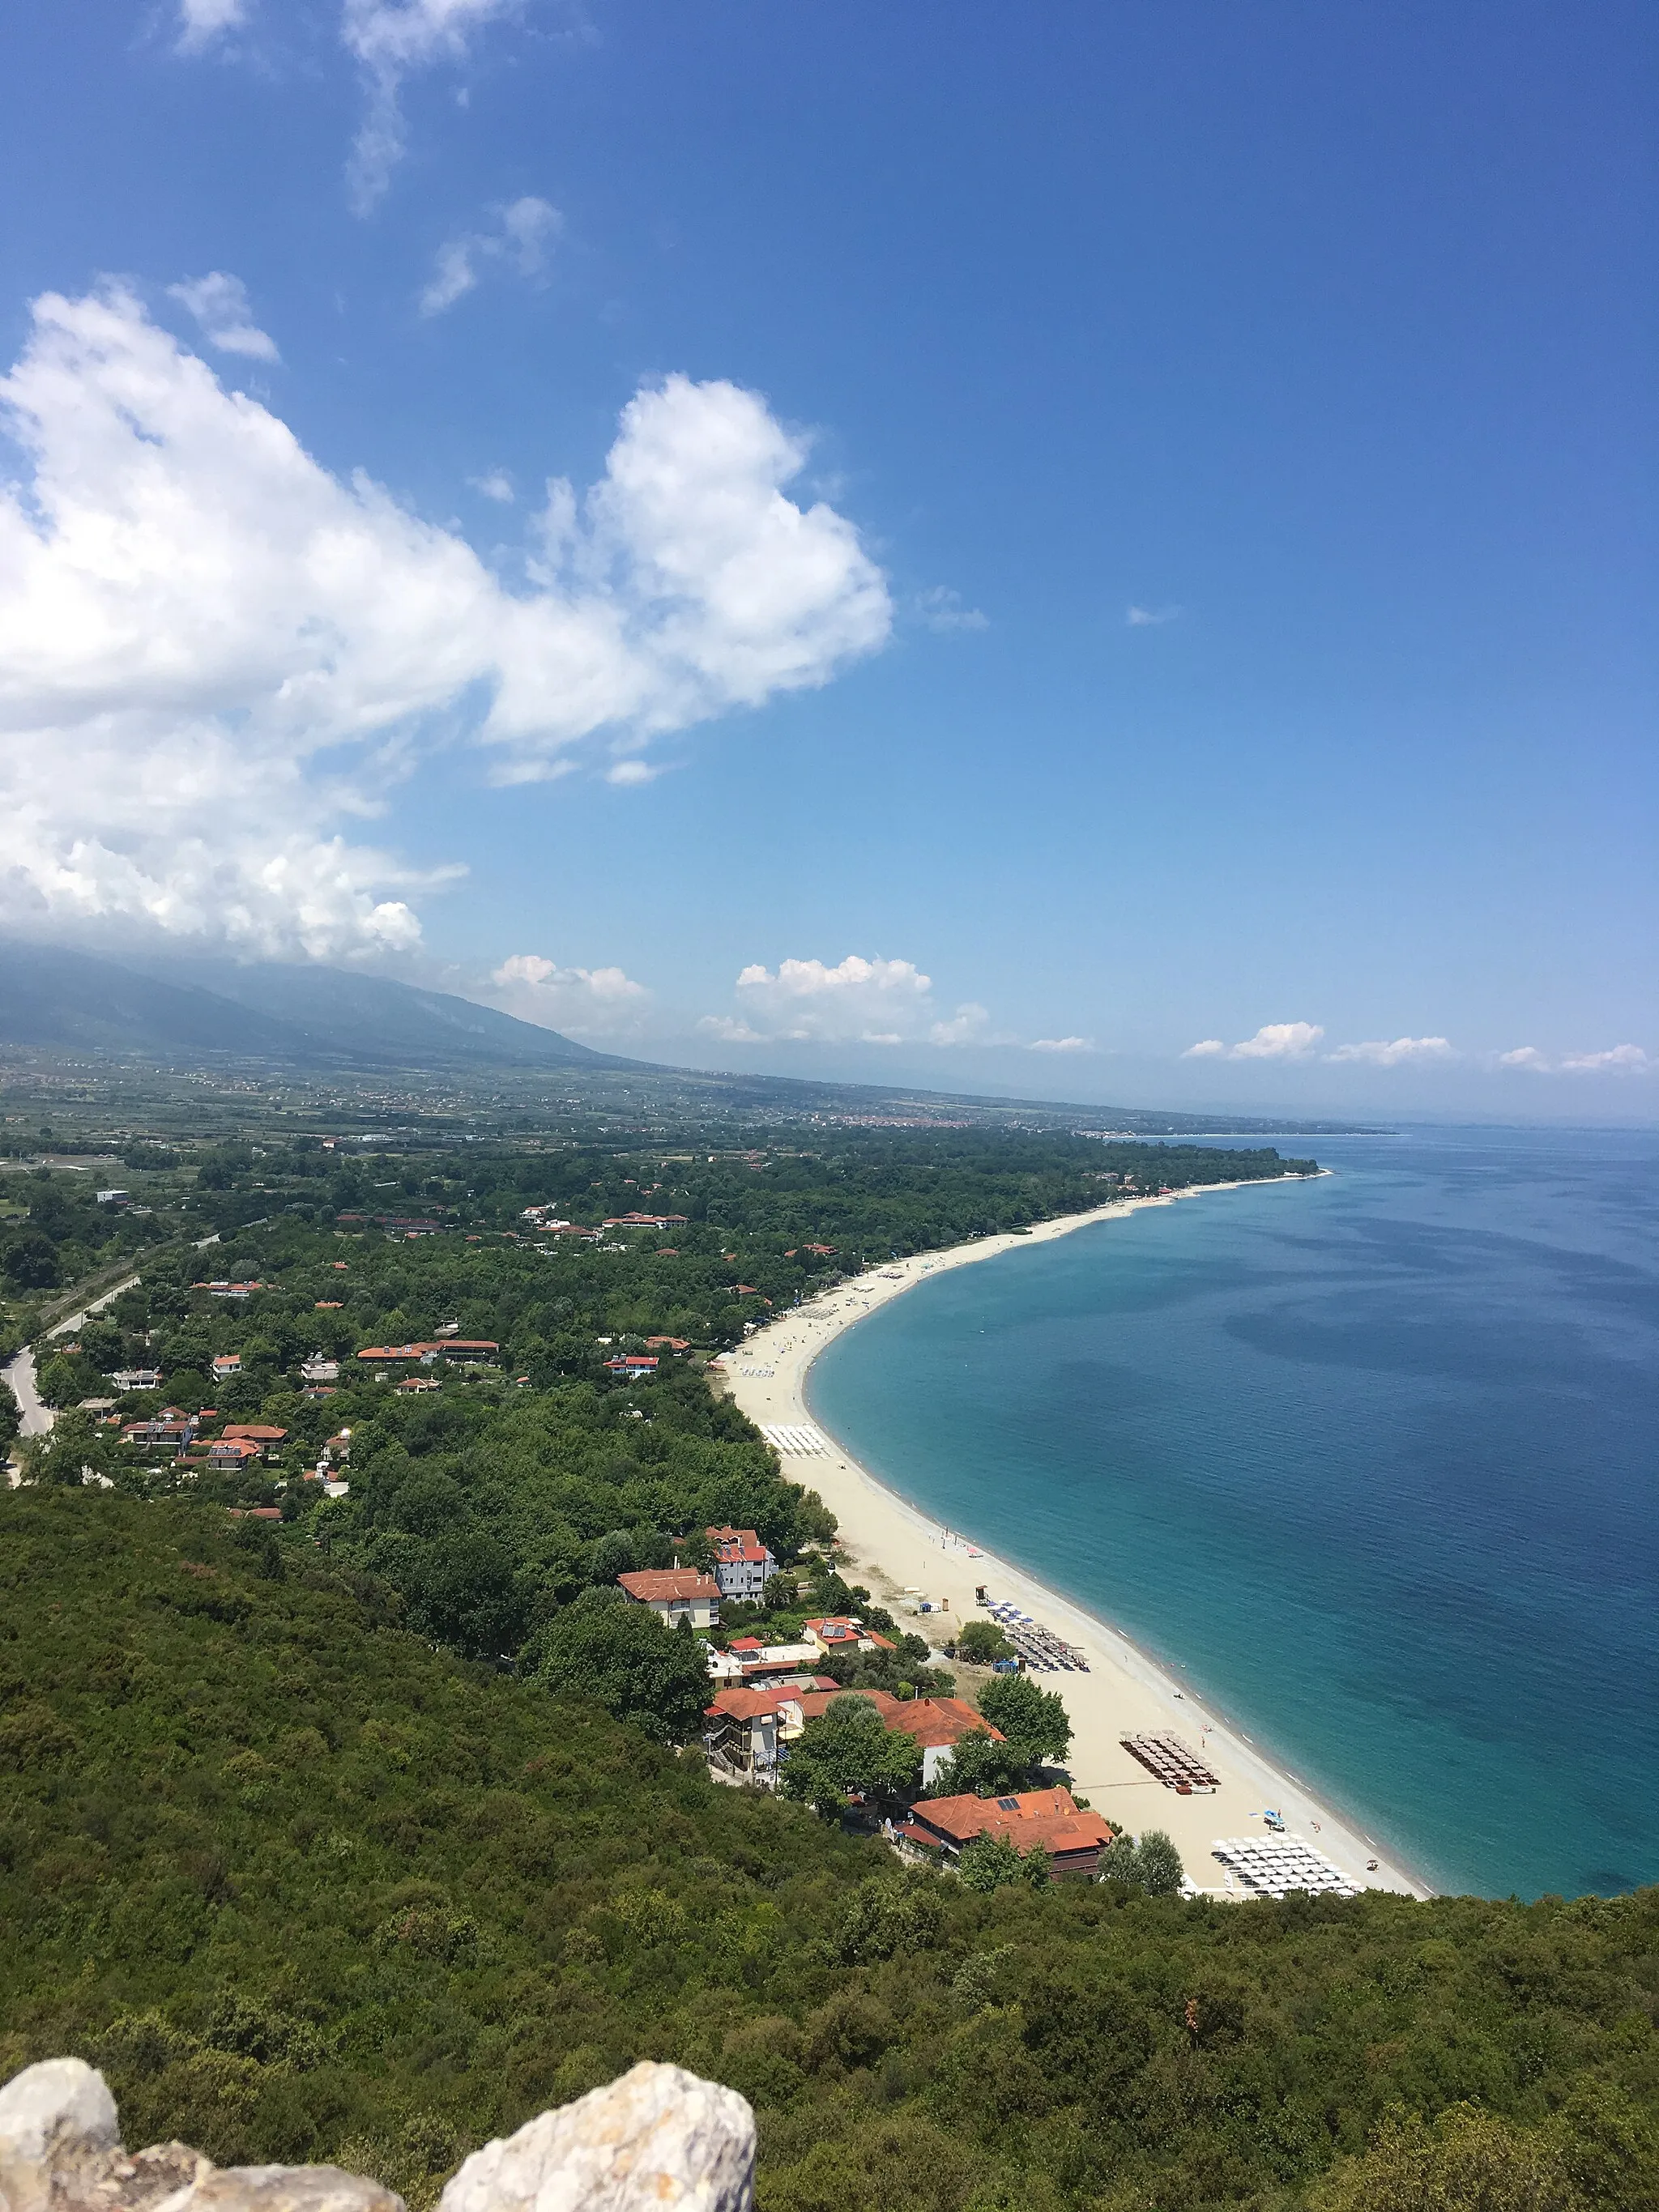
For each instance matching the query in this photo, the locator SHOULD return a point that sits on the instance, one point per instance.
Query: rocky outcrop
(657, 2138)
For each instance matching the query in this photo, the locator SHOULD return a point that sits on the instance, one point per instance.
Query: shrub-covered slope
(308, 1889)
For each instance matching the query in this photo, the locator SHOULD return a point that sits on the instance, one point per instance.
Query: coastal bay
(1359, 1462)
(896, 1548)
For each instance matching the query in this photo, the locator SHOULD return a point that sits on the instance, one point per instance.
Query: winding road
(20, 1372)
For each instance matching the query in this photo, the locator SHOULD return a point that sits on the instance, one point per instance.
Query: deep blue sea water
(1373, 1460)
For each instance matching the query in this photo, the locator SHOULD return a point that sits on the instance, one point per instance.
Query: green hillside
(306, 1887)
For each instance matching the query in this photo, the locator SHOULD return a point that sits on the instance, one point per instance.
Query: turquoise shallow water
(1372, 1460)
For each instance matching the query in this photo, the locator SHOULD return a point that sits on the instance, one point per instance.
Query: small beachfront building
(675, 1594)
(846, 1634)
(939, 1827)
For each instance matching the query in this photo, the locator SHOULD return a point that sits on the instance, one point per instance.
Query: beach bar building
(938, 1827)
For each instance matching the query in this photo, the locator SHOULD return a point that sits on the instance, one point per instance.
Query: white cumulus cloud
(592, 1001)
(1062, 1044)
(1382, 1052)
(391, 39)
(220, 305)
(213, 652)
(1524, 1055)
(201, 21)
(857, 1001)
(1272, 1041)
(519, 237)
(494, 483)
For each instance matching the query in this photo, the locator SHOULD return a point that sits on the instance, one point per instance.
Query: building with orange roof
(1049, 1819)
(675, 1594)
(842, 1633)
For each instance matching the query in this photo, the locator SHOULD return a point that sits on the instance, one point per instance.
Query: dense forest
(307, 1887)
(747, 1232)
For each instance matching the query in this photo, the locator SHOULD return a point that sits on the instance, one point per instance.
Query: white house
(743, 1565)
(676, 1594)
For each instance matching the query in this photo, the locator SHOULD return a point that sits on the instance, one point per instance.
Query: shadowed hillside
(308, 1889)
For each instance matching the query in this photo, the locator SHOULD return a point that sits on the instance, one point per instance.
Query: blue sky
(1124, 529)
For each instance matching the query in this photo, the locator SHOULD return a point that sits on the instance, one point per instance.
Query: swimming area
(1371, 1459)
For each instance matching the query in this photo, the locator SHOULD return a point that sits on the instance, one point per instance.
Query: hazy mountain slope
(57, 1000)
(355, 1014)
(54, 999)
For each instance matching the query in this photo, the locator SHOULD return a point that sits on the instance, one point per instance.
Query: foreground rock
(657, 2138)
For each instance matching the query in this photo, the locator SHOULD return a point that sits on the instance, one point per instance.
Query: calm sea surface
(1374, 1461)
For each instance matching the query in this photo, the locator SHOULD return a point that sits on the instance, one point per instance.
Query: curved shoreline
(898, 1547)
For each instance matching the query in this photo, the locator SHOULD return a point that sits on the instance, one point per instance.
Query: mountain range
(195, 1010)
(54, 1000)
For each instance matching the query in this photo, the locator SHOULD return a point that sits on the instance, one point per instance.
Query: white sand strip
(895, 1549)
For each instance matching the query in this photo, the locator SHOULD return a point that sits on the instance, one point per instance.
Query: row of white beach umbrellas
(1278, 1867)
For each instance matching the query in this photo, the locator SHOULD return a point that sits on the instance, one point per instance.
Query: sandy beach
(896, 1551)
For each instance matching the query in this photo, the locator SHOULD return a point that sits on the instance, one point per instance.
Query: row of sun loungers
(1172, 1761)
(1271, 1866)
(1036, 1645)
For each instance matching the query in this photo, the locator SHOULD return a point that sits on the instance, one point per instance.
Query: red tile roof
(664, 1585)
(1048, 1817)
(936, 1723)
(841, 1630)
(429, 1347)
(749, 1704)
(736, 1544)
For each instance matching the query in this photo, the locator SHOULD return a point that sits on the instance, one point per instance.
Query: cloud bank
(1618, 1059)
(587, 1001)
(1382, 1054)
(858, 1001)
(213, 652)
(1272, 1041)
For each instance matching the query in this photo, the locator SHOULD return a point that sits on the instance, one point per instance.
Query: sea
(1371, 1460)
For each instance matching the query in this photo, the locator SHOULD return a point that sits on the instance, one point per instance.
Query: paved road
(94, 1305)
(37, 1418)
(19, 1373)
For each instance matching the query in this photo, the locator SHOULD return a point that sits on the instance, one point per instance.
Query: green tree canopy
(65, 1380)
(1467, 2161)
(982, 1640)
(72, 1444)
(29, 1259)
(1034, 1718)
(847, 1747)
(621, 1655)
(990, 1863)
(981, 1766)
(1152, 1863)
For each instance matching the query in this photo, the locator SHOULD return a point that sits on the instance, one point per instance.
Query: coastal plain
(899, 1553)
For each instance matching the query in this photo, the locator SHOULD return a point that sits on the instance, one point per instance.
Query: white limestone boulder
(58, 2120)
(658, 2137)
